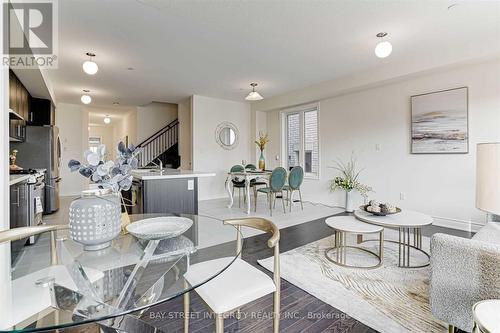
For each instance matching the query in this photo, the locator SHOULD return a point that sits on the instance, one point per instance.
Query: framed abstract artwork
(440, 122)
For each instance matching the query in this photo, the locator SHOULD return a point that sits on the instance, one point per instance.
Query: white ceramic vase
(95, 219)
(349, 204)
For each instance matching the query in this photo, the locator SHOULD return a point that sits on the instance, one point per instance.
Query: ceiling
(216, 48)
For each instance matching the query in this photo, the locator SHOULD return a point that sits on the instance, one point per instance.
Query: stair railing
(158, 143)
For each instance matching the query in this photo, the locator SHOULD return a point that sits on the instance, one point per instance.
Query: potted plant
(95, 218)
(261, 143)
(348, 181)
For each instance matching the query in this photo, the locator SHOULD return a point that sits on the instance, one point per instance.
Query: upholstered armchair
(463, 272)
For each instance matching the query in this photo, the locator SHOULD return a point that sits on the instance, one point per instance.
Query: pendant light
(89, 66)
(253, 95)
(383, 48)
(107, 119)
(86, 99)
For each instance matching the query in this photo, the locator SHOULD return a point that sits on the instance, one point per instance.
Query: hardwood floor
(301, 312)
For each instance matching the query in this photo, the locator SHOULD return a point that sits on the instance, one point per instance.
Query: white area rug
(388, 299)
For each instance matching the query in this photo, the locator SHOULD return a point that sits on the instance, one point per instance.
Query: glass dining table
(56, 284)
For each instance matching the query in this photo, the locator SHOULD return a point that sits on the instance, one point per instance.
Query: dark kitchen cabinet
(19, 103)
(175, 196)
(19, 97)
(26, 110)
(19, 205)
(19, 213)
(41, 113)
(169, 196)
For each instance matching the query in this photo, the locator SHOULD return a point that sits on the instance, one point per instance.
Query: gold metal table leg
(340, 248)
(408, 245)
(404, 246)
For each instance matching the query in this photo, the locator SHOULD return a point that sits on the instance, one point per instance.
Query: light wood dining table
(248, 176)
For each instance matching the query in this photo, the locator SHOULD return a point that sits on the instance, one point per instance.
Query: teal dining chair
(277, 181)
(295, 179)
(251, 167)
(238, 183)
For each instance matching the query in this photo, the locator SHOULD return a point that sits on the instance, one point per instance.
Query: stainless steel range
(36, 196)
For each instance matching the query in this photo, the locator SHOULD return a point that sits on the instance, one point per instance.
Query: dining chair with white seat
(241, 283)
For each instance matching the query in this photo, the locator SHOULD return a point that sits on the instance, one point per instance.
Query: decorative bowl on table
(380, 209)
(157, 228)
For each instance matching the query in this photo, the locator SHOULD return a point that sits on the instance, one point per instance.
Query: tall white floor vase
(349, 204)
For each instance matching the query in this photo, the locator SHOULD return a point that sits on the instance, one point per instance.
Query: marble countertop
(151, 174)
(14, 179)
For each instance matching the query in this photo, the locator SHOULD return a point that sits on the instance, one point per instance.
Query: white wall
(273, 151)
(208, 113)
(72, 121)
(441, 185)
(127, 126)
(258, 125)
(153, 117)
(185, 134)
(106, 133)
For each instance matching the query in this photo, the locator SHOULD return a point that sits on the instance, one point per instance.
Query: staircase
(163, 145)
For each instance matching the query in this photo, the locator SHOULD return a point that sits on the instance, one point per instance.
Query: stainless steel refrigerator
(42, 150)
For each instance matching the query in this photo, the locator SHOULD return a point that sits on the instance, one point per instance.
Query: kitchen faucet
(160, 166)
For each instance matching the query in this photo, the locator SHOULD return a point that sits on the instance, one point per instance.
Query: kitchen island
(167, 191)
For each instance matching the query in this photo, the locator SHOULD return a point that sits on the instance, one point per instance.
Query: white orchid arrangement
(348, 180)
(115, 175)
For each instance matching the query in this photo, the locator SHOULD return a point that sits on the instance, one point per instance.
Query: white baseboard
(447, 222)
(470, 226)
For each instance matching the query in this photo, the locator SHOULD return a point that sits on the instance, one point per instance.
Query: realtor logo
(30, 34)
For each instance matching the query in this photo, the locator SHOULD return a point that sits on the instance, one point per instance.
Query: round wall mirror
(227, 135)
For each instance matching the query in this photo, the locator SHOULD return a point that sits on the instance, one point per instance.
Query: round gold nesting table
(409, 224)
(344, 225)
(486, 315)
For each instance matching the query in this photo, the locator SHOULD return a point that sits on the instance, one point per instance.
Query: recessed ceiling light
(253, 95)
(89, 66)
(86, 99)
(107, 119)
(383, 48)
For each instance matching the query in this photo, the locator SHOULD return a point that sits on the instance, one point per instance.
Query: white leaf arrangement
(349, 179)
(114, 175)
